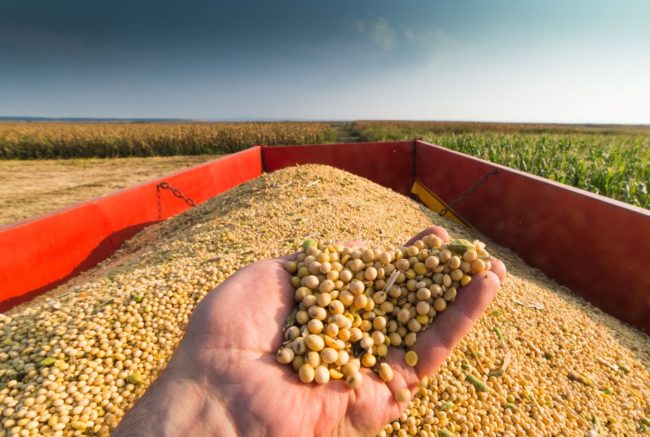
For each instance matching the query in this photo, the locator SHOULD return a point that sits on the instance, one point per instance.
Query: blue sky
(498, 60)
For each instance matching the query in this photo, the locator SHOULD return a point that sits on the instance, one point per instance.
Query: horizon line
(19, 118)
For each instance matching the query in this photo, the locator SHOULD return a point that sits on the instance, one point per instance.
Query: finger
(499, 269)
(375, 396)
(437, 341)
(435, 230)
(214, 323)
(404, 376)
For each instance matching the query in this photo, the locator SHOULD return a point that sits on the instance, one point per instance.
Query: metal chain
(480, 181)
(159, 203)
(176, 192)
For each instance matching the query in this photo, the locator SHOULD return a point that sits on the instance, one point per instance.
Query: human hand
(224, 379)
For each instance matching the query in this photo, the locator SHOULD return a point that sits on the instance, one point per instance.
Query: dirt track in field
(31, 188)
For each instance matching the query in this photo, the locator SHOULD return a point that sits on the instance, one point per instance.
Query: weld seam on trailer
(263, 147)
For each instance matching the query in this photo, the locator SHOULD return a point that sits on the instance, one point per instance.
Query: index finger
(435, 230)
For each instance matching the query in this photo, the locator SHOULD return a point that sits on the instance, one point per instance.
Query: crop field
(29, 188)
(111, 140)
(610, 160)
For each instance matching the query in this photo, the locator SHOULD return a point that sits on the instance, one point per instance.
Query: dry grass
(30, 188)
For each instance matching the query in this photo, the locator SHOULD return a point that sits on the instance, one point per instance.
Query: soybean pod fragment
(477, 383)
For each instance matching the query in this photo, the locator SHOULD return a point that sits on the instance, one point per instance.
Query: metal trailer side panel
(596, 246)
(387, 163)
(40, 253)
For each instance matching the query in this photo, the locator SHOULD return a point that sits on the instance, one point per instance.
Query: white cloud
(381, 34)
(435, 38)
(376, 30)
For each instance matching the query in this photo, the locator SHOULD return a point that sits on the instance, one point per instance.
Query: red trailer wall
(388, 163)
(596, 246)
(41, 253)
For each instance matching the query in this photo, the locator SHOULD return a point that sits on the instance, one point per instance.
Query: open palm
(229, 350)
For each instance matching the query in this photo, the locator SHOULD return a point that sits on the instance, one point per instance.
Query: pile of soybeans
(74, 360)
(352, 303)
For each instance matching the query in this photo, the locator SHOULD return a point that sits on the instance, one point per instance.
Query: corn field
(610, 160)
(111, 140)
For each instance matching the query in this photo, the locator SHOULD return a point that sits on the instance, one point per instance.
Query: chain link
(176, 192)
(480, 181)
(158, 202)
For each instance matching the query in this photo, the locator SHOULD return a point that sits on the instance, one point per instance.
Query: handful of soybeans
(353, 303)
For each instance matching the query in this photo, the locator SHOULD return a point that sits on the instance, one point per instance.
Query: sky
(574, 61)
